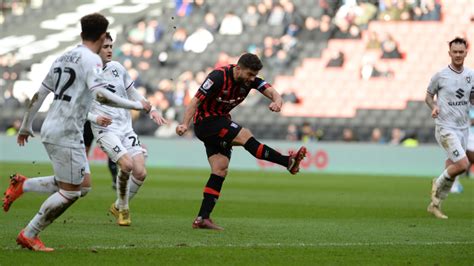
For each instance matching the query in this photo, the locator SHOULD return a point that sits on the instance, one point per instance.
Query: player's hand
(275, 107)
(181, 129)
(146, 106)
(23, 136)
(155, 116)
(104, 121)
(435, 112)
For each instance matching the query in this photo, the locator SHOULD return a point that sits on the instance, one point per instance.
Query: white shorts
(453, 141)
(115, 146)
(69, 164)
(470, 142)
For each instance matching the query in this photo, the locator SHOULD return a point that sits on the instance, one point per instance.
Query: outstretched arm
(106, 97)
(275, 97)
(188, 115)
(26, 129)
(154, 114)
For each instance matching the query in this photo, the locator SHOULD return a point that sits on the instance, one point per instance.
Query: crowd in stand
(137, 49)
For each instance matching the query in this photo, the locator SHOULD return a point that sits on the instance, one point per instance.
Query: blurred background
(348, 70)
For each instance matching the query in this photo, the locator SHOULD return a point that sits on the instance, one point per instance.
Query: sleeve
(127, 80)
(433, 87)
(48, 82)
(213, 82)
(93, 70)
(260, 84)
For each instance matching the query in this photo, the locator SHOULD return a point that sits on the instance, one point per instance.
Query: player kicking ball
(224, 89)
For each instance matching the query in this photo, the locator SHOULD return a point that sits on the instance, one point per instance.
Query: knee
(125, 164)
(140, 175)
(220, 171)
(70, 195)
(84, 191)
(463, 165)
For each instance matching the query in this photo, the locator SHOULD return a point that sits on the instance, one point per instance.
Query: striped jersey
(220, 93)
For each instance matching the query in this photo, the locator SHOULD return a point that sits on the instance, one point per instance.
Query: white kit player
(118, 139)
(75, 78)
(452, 86)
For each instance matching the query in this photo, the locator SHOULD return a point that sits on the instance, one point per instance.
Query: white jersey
(453, 90)
(119, 81)
(72, 78)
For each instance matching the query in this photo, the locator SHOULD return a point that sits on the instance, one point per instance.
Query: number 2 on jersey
(59, 95)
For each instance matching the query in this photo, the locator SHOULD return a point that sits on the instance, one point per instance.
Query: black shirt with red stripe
(220, 93)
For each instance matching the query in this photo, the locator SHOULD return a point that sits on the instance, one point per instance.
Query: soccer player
(452, 85)
(75, 78)
(118, 140)
(225, 88)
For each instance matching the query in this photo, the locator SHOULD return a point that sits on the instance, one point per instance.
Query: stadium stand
(387, 56)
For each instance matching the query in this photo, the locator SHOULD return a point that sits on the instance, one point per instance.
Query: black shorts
(88, 135)
(217, 133)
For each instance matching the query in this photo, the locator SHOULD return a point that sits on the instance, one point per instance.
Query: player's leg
(219, 164)
(113, 172)
(20, 184)
(69, 167)
(264, 152)
(454, 144)
(138, 174)
(113, 147)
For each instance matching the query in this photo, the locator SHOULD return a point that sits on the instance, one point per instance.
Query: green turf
(269, 219)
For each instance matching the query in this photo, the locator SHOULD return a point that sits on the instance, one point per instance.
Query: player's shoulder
(116, 65)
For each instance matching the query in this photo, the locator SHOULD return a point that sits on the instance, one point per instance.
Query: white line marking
(264, 245)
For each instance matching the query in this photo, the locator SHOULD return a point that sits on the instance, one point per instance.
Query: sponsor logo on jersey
(207, 84)
(460, 93)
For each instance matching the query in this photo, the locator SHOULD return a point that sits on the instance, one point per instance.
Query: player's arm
(430, 94)
(133, 94)
(188, 115)
(104, 96)
(266, 89)
(26, 129)
(213, 82)
(100, 120)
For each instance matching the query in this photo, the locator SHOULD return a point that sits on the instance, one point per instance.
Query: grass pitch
(269, 219)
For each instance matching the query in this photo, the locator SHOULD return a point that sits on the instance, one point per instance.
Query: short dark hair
(108, 36)
(250, 61)
(93, 26)
(458, 40)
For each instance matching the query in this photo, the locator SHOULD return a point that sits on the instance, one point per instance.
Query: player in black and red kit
(224, 89)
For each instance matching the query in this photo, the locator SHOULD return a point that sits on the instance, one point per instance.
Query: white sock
(51, 209)
(123, 190)
(43, 184)
(444, 183)
(135, 185)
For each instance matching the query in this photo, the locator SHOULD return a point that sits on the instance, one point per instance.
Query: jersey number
(59, 94)
(136, 141)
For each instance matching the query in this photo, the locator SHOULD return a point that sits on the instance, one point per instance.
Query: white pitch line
(263, 245)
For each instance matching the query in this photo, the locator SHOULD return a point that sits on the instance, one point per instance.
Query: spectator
(277, 16)
(210, 23)
(223, 59)
(336, 59)
(310, 31)
(12, 130)
(137, 34)
(373, 41)
(307, 132)
(231, 25)
(396, 136)
(377, 136)
(198, 41)
(183, 7)
(178, 39)
(348, 135)
(411, 140)
(153, 32)
(251, 16)
(292, 132)
(390, 48)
